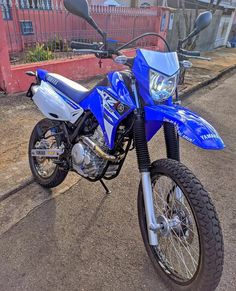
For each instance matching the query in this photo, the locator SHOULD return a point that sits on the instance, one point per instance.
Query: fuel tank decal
(108, 102)
(112, 106)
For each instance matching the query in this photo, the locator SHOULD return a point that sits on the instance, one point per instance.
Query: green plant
(39, 53)
(57, 44)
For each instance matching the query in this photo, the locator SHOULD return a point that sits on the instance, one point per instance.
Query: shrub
(39, 53)
(57, 44)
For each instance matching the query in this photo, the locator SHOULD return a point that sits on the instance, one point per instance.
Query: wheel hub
(168, 224)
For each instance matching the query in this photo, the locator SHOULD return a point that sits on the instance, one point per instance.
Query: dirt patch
(16, 123)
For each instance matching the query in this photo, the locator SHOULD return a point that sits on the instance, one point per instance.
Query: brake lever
(90, 51)
(193, 57)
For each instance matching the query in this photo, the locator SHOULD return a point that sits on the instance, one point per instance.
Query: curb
(206, 82)
(28, 181)
(22, 185)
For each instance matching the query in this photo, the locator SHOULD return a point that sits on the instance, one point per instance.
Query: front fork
(152, 225)
(144, 165)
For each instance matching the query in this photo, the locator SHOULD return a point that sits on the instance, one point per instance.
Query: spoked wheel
(45, 171)
(189, 255)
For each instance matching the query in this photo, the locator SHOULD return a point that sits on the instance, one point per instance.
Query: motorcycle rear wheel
(197, 225)
(55, 175)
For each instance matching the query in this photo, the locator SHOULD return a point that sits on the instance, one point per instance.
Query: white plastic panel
(53, 106)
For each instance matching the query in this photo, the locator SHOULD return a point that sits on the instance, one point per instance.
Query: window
(171, 21)
(163, 22)
(6, 10)
(26, 27)
(36, 4)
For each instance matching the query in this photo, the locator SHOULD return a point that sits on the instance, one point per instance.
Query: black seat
(73, 90)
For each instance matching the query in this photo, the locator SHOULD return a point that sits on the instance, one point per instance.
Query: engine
(84, 159)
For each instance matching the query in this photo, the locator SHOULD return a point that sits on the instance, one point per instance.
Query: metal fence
(39, 30)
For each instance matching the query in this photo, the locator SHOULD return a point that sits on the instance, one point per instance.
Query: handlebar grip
(84, 45)
(191, 53)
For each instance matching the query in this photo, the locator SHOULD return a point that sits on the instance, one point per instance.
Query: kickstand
(105, 187)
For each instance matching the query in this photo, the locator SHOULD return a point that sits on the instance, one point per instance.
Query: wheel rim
(178, 250)
(45, 167)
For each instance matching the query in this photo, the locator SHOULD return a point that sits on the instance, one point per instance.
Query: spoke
(164, 202)
(175, 257)
(189, 228)
(172, 206)
(158, 208)
(195, 263)
(181, 258)
(176, 253)
(180, 241)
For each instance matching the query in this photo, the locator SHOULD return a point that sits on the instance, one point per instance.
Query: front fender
(190, 126)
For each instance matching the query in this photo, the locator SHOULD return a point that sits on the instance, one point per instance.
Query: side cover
(54, 105)
(190, 126)
(110, 105)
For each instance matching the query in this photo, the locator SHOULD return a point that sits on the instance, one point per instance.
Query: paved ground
(85, 240)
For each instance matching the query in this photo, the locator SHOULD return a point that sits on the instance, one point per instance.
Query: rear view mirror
(202, 21)
(78, 7)
(81, 9)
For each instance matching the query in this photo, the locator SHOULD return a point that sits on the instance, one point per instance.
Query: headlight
(161, 86)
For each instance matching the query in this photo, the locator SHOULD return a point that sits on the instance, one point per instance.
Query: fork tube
(149, 208)
(144, 165)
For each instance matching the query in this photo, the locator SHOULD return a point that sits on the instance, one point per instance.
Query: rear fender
(190, 126)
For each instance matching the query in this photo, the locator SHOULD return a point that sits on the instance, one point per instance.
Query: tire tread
(208, 223)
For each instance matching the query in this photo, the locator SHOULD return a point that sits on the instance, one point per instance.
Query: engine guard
(190, 126)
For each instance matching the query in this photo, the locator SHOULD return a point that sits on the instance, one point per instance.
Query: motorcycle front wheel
(189, 255)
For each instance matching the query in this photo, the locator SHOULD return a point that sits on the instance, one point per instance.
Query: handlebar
(90, 51)
(103, 52)
(190, 53)
(77, 45)
(194, 57)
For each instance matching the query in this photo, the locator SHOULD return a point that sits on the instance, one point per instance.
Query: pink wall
(13, 78)
(121, 23)
(76, 69)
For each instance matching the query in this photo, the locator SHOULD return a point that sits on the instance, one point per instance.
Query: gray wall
(207, 38)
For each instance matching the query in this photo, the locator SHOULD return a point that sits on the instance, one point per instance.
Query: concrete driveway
(85, 240)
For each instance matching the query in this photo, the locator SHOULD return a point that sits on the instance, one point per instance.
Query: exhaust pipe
(98, 150)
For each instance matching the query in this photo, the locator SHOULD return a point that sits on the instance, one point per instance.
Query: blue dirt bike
(91, 132)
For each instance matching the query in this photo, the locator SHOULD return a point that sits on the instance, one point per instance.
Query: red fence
(48, 23)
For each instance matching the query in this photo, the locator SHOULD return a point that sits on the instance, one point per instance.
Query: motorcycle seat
(71, 89)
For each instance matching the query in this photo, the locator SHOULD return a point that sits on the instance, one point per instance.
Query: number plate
(47, 153)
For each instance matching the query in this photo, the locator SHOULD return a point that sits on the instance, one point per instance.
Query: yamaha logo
(52, 80)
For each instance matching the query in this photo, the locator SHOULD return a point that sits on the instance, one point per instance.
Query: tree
(134, 3)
